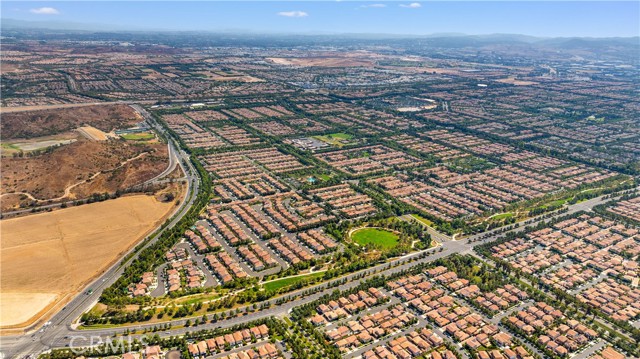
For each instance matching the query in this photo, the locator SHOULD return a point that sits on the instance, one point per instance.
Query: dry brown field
(321, 61)
(47, 258)
(513, 81)
(93, 133)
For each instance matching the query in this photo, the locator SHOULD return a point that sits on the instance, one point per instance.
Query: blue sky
(538, 18)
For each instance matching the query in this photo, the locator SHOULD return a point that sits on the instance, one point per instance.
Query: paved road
(591, 349)
(61, 333)
(210, 280)
(173, 162)
(173, 151)
(438, 236)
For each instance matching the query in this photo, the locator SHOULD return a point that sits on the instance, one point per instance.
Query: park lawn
(502, 216)
(289, 281)
(336, 139)
(142, 136)
(425, 221)
(383, 238)
(559, 202)
(341, 136)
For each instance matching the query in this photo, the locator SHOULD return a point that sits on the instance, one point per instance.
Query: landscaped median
(289, 282)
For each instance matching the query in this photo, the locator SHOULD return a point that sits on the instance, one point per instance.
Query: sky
(536, 18)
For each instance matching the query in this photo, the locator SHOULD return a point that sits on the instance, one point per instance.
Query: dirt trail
(67, 190)
(21, 193)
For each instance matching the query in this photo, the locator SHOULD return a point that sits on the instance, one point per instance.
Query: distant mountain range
(443, 39)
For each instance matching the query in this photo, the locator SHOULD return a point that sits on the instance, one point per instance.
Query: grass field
(9, 146)
(142, 136)
(502, 216)
(336, 139)
(423, 220)
(48, 257)
(8, 149)
(557, 203)
(287, 282)
(380, 237)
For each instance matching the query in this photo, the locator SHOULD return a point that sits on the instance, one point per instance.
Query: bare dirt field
(33, 146)
(80, 169)
(31, 124)
(513, 81)
(93, 133)
(48, 257)
(321, 61)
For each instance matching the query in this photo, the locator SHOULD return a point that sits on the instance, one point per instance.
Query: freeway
(62, 333)
(62, 322)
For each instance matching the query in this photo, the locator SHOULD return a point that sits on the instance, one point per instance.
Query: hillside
(50, 122)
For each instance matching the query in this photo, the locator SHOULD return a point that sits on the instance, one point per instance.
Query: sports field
(141, 136)
(48, 257)
(382, 238)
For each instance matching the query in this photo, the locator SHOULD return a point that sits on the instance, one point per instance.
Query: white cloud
(45, 11)
(413, 5)
(374, 5)
(293, 13)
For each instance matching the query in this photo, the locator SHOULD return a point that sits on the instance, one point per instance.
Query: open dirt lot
(516, 82)
(93, 133)
(47, 257)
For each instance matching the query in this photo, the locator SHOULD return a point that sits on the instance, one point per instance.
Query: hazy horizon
(530, 18)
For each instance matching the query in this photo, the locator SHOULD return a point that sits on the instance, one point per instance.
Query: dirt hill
(80, 169)
(50, 122)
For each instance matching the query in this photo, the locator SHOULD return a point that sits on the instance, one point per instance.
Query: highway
(62, 322)
(61, 332)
